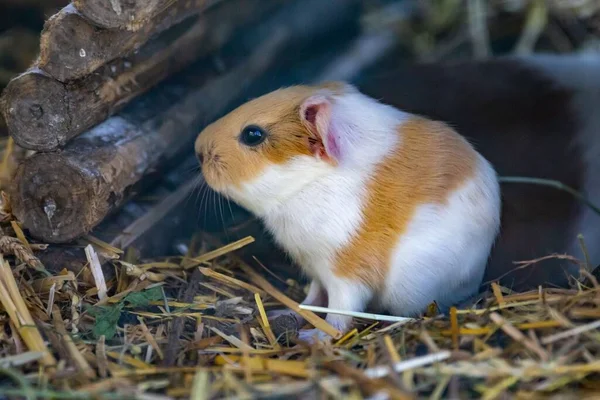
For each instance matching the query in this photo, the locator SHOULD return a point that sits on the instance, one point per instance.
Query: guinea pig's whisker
(223, 218)
(220, 204)
(205, 189)
(214, 203)
(193, 168)
(200, 195)
(230, 209)
(205, 200)
(198, 189)
(194, 190)
(199, 182)
(197, 185)
(203, 206)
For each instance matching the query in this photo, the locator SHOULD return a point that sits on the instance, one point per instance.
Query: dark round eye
(252, 136)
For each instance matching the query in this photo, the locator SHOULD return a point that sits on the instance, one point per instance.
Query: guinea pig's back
(526, 118)
(430, 215)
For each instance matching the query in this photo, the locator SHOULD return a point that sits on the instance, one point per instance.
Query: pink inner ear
(310, 114)
(318, 116)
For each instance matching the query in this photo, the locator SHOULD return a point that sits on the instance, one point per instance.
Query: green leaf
(143, 298)
(107, 318)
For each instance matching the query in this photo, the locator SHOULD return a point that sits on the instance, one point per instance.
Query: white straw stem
(376, 317)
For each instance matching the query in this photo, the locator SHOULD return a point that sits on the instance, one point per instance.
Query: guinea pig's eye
(252, 136)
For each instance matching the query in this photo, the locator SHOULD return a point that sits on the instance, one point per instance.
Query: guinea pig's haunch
(378, 206)
(532, 116)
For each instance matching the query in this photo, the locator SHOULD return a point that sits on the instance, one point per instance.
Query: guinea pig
(379, 207)
(532, 116)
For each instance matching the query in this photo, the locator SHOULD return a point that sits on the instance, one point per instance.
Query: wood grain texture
(129, 15)
(71, 47)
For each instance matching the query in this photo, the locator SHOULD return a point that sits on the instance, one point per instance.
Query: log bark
(43, 113)
(124, 14)
(71, 47)
(60, 196)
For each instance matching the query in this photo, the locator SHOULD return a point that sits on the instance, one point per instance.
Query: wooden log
(59, 196)
(124, 14)
(43, 114)
(71, 47)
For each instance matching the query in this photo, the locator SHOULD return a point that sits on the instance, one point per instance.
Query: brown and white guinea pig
(378, 206)
(530, 116)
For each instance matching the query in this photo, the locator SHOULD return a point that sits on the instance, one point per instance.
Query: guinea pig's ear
(316, 115)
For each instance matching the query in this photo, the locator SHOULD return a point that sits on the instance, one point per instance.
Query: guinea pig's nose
(200, 157)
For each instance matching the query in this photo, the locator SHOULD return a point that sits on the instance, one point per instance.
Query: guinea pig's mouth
(213, 174)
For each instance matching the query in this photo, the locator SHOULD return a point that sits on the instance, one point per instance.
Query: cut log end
(52, 198)
(35, 111)
(71, 48)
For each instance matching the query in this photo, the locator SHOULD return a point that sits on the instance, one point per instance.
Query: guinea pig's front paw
(271, 315)
(277, 313)
(313, 335)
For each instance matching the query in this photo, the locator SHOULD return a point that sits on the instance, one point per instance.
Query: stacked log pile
(75, 106)
(85, 73)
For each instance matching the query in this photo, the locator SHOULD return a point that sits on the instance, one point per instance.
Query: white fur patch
(443, 254)
(319, 219)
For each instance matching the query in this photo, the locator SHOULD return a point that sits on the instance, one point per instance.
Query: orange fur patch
(228, 162)
(433, 160)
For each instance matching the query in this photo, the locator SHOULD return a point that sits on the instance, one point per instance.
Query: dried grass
(532, 344)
